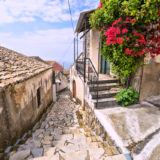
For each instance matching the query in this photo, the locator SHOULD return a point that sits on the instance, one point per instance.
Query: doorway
(105, 66)
(74, 89)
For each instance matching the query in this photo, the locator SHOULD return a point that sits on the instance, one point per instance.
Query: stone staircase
(63, 135)
(80, 143)
(103, 92)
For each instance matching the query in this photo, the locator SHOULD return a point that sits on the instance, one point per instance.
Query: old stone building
(25, 92)
(90, 65)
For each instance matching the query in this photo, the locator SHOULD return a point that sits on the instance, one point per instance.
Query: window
(39, 97)
(53, 78)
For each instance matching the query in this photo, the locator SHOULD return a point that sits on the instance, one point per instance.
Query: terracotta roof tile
(15, 67)
(55, 65)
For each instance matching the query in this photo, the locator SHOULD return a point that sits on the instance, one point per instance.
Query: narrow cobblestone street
(62, 137)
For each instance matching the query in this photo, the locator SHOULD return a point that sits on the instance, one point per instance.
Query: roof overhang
(83, 18)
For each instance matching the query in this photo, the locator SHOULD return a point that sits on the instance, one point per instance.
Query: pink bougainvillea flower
(120, 19)
(133, 20)
(125, 30)
(128, 51)
(115, 22)
(100, 6)
(107, 43)
(120, 40)
(118, 30)
(127, 18)
(128, 39)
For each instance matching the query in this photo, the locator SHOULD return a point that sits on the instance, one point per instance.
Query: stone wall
(21, 108)
(4, 126)
(74, 76)
(63, 82)
(137, 79)
(92, 122)
(147, 80)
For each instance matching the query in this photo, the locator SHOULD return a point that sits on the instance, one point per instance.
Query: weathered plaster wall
(147, 80)
(20, 105)
(94, 45)
(63, 84)
(74, 76)
(137, 79)
(150, 81)
(4, 134)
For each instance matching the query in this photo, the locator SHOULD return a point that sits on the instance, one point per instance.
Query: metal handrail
(93, 66)
(89, 72)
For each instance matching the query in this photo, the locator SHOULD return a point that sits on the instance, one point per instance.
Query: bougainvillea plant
(130, 30)
(121, 32)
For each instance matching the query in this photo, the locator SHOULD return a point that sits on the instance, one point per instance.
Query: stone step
(50, 151)
(104, 94)
(96, 154)
(81, 135)
(63, 137)
(80, 155)
(117, 157)
(102, 87)
(55, 157)
(71, 130)
(105, 102)
(104, 81)
(62, 143)
(20, 155)
(92, 154)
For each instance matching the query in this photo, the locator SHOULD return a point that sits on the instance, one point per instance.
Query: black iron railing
(80, 67)
(87, 70)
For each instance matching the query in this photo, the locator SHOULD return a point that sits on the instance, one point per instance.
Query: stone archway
(74, 89)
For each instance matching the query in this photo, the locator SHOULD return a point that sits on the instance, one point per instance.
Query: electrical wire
(66, 51)
(71, 15)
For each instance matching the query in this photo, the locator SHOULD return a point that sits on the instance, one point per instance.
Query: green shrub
(127, 96)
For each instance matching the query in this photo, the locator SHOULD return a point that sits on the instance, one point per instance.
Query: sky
(41, 27)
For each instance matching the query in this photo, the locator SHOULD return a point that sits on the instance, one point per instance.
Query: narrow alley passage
(63, 137)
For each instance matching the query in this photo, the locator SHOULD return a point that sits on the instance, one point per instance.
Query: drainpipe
(85, 54)
(77, 45)
(74, 49)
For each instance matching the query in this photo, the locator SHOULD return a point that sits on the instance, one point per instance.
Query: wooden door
(74, 89)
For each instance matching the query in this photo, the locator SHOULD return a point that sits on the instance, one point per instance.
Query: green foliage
(122, 65)
(143, 10)
(107, 14)
(127, 97)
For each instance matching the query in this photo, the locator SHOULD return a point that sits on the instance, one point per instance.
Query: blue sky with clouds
(41, 27)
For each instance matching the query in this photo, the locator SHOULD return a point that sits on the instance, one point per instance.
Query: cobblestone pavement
(62, 136)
